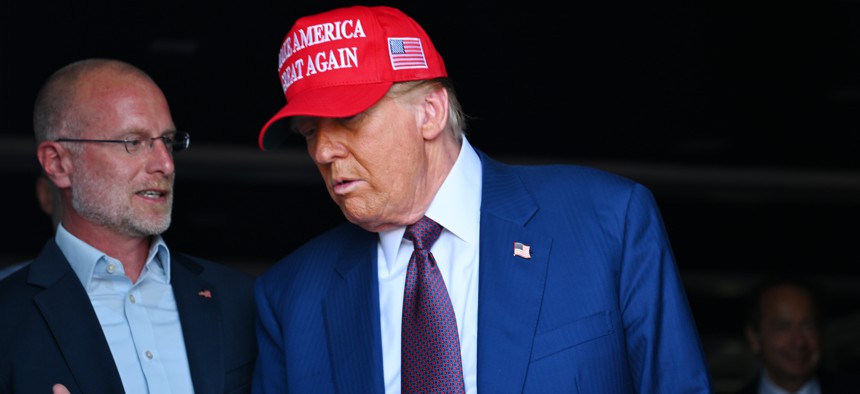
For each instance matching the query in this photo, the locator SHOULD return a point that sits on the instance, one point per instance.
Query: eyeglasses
(177, 142)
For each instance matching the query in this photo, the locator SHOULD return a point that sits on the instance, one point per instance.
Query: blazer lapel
(69, 315)
(197, 303)
(351, 310)
(511, 287)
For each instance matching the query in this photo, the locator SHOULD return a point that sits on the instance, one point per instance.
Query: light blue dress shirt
(139, 320)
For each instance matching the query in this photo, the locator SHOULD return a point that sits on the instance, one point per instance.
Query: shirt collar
(456, 206)
(767, 386)
(83, 257)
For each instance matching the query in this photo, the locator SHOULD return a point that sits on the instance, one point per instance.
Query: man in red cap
(538, 279)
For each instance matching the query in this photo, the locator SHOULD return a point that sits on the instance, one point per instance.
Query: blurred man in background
(783, 329)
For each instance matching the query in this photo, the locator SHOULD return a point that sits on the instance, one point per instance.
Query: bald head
(57, 107)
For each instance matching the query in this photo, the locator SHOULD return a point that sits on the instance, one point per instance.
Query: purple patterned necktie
(430, 346)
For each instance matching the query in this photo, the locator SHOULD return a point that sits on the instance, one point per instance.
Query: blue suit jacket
(599, 308)
(50, 333)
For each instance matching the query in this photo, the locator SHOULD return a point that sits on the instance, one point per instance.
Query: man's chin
(151, 227)
(798, 370)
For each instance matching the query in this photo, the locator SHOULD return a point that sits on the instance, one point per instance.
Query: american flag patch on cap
(406, 53)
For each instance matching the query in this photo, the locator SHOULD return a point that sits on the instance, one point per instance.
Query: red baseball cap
(340, 62)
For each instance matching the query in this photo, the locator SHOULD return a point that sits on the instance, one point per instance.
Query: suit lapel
(201, 324)
(511, 287)
(67, 311)
(351, 309)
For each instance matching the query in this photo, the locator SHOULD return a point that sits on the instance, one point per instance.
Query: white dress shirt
(457, 208)
(140, 321)
(767, 386)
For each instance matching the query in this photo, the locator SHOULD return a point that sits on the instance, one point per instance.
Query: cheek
(88, 169)
(390, 151)
(383, 169)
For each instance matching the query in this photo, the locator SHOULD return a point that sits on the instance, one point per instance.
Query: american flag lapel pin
(205, 293)
(522, 250)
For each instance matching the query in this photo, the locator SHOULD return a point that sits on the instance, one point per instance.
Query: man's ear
(753, 339)
(55, 162)
(434, 109)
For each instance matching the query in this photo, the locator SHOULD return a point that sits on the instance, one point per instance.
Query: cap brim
(327, 102)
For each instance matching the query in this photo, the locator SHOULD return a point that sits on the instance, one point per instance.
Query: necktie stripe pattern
(430, 345)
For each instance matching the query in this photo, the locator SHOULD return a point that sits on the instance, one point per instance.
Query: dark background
(739, 117)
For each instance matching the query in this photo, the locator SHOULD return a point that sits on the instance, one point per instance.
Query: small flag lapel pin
(205, 293)
(522, 250)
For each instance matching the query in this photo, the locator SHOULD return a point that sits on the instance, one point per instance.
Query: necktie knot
(423, 233)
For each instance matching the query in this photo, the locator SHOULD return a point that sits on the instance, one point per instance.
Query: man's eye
(307, 132)
(133, 142)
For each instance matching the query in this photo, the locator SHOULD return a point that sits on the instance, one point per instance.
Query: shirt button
(149, 354)
(111, 268)
(131, 298)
